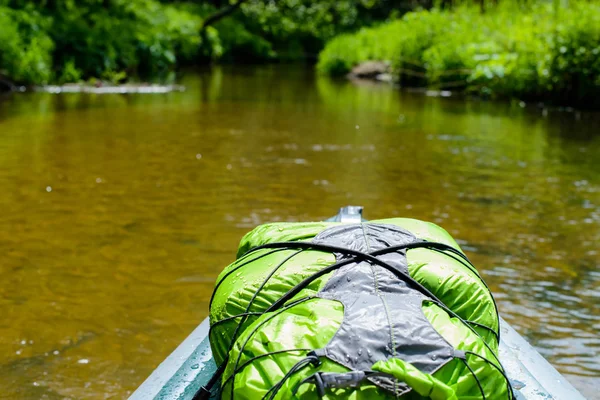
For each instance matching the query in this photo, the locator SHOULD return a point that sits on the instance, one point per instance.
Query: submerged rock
(384, 78)
(379, 70)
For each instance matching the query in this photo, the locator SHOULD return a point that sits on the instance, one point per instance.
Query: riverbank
(535, 52)
(541, 51)
(116, 41)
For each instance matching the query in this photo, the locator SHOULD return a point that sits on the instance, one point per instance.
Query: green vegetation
(528, 49)
(68, 40)
(532, 51)
(57, 41)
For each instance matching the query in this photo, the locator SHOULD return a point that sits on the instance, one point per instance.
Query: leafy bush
(66, 41)
(140, 37)
(348, 50)
(539, 51)
(25, 47)
(238, 43)
(296, 28)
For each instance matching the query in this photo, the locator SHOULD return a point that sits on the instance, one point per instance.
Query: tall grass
(541, 50)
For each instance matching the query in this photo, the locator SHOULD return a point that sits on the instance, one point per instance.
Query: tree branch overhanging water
(222, 13)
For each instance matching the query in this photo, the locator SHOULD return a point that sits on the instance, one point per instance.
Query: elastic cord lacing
(354, 257)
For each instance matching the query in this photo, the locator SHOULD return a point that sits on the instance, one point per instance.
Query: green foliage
(517, 49)
(70, 73)
(67, 40)
(25, 47)
(237, 42)
(141, 37)
(536, 51)
(347, 50)
(72, 40)
(298, 28)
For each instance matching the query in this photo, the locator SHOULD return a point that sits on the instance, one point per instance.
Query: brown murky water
(118, 212)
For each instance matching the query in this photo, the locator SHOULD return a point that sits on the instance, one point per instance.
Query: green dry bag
(375, 310)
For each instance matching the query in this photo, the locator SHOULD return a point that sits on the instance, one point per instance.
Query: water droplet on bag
(195, 366)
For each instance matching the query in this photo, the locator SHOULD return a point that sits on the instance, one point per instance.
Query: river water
(119, 211)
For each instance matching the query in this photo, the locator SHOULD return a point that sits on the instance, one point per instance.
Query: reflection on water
(119, 211)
